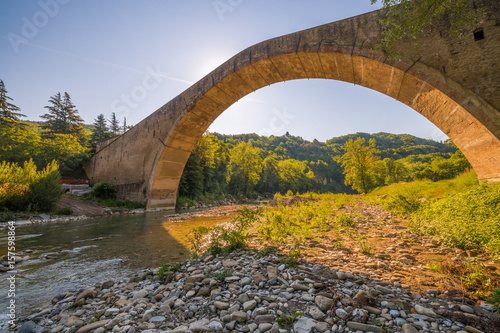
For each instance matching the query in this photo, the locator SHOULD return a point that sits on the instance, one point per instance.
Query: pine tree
(63, 117)
(124, 128)
(114, 124)
(100, 132)
(8, 111)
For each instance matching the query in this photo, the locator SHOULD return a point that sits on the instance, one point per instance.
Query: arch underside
(459, 113)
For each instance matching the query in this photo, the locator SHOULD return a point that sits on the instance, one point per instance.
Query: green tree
(245, 167)
(8, 111)
(408, 18)
(295, 176)
(66, 150)
(100, 132)
(393, 171)
(18, 143)
(205, 170)
(114, 126)
(63, 117)
(269, 181)
(359, 164)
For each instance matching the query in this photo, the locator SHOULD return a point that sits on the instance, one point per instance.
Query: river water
(65, 256)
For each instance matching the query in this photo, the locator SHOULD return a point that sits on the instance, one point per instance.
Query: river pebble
(260, 295)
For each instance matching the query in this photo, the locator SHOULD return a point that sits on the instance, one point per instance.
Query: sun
(210, 63)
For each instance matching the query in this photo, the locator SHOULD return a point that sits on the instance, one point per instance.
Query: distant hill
(395, 146)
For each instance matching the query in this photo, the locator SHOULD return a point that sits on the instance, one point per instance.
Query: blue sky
(131, 57)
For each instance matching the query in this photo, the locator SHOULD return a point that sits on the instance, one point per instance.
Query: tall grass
(291, 225)
(428, 189)
(224, 238)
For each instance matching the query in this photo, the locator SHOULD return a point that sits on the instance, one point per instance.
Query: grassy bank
(459, 212)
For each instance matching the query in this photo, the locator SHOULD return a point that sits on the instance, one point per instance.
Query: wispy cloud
(122, 67)
(98, 61)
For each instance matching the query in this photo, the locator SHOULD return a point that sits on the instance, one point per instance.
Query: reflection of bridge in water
(453, 83)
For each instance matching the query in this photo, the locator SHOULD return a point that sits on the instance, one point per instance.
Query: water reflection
(70, 255)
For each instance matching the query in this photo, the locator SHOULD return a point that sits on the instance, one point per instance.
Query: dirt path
(82, 207)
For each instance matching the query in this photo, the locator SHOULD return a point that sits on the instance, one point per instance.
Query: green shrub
(7, 216)
(365, 247)
(216, 236)
(345, 220)
(224, 238)
(292, 260)
(63, 211)
(45, 193)
(285, 320)
(406, 201)
(223, 275)
(466, 220)
(196, 240)
(494, 300)
(167, 271)
(103, 190)
(27, 189)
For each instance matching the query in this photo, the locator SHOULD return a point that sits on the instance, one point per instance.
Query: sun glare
(210, 63)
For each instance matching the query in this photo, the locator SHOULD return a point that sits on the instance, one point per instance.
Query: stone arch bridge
(453, 83)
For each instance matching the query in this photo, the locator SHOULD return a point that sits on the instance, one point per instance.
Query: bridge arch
(146, 163)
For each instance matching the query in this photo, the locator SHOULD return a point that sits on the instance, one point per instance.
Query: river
(66, 256)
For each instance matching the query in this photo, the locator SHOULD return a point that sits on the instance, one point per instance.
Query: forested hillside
(249, 164)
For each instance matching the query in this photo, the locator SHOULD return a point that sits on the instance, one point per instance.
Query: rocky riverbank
(255, 292)
(79, 215)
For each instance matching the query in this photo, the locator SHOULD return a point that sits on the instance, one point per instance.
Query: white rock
(264, 327)
(341, 313)
(250, 305)
(425, 311)
(221, 305)
(199, 326)
(148, 315)
(466, 308)
(304, 325)
(245, 281)
(111, 311)
(252, 327)
(323, 303)
(157, 319)
(316, 313)
(216, 326)
(140, 294)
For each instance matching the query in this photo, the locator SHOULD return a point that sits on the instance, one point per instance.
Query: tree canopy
(62, 117)
(8, 111)
(359, 164)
